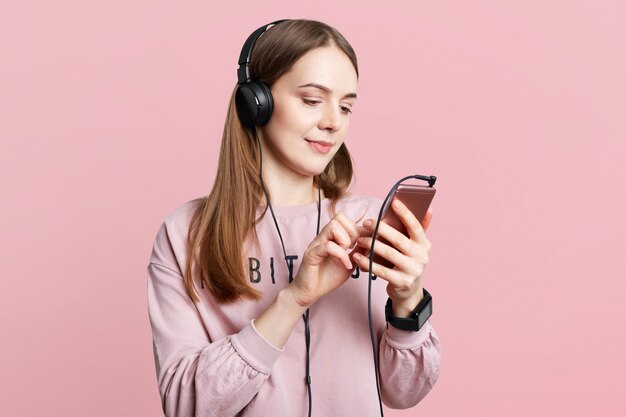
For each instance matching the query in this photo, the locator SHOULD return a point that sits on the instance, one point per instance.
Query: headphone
(253, 98)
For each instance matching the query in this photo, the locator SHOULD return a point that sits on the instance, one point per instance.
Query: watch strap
(418, 316)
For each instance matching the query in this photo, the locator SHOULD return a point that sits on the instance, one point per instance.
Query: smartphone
(417, 198)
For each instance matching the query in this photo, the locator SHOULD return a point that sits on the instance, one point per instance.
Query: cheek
(284, 118)
(294, 115)
(277, 126)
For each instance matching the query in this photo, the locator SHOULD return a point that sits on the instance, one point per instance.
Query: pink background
(111, 115)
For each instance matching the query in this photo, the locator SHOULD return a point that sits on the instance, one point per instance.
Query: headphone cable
(305, 316)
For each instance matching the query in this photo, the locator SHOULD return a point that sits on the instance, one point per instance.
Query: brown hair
(223, 219)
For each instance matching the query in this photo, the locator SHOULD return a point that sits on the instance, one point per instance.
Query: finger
(427, 218)
(397, 239)
(357, 249)
(389, 253)
(349, 226)
(413, 226)
(366, 231)
(321, 252)
(335, 231)
(394, 277)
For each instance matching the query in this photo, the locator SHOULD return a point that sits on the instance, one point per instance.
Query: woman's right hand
(326, 263)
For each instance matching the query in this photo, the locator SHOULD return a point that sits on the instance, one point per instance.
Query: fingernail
(396, 204)
(367, 223)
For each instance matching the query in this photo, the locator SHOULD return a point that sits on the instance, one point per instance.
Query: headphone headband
(253, 98)
(243, 72)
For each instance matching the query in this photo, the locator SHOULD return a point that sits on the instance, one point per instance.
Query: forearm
(277, 322)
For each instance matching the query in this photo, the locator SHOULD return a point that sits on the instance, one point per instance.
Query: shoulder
(179, 218)
(358, 206)
(170, 244)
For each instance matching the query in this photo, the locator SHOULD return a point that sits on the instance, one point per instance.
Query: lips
(321, 142)
(322, 147)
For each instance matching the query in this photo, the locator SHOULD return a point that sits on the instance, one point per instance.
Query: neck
(290, 191)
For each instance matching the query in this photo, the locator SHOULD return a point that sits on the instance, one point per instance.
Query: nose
(331, 118)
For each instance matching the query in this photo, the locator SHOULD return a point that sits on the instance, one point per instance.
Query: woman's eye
(344, 109)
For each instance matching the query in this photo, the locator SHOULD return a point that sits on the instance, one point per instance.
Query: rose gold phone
(417, 198)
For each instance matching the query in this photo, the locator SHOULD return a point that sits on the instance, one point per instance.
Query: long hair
(224, 219)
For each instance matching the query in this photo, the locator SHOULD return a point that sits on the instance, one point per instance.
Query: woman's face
(312, 104)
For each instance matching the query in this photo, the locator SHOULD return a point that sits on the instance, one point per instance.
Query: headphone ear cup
(254, 103)
(267, 103)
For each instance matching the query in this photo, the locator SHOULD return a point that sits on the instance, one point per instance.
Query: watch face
(424, 314)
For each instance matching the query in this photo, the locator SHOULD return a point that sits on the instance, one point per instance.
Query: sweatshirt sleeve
(409, 365)
(197, 376)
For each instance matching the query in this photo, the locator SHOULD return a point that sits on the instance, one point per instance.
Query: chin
(313, 170)
(313, 173)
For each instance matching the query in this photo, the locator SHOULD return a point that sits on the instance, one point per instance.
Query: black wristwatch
(417, 318)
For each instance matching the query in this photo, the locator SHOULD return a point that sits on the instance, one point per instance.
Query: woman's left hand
(408, 254)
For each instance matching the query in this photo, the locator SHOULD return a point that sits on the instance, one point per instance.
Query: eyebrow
(326, 89)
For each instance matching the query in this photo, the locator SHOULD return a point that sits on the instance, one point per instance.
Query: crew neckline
(296, 210)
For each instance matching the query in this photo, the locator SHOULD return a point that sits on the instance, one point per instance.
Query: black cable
(305, 316)
(431, 181)
(307, 329)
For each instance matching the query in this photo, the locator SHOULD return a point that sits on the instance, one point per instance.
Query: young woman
(280, 239)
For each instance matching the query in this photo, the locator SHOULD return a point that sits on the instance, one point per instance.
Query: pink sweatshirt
(210, 360)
